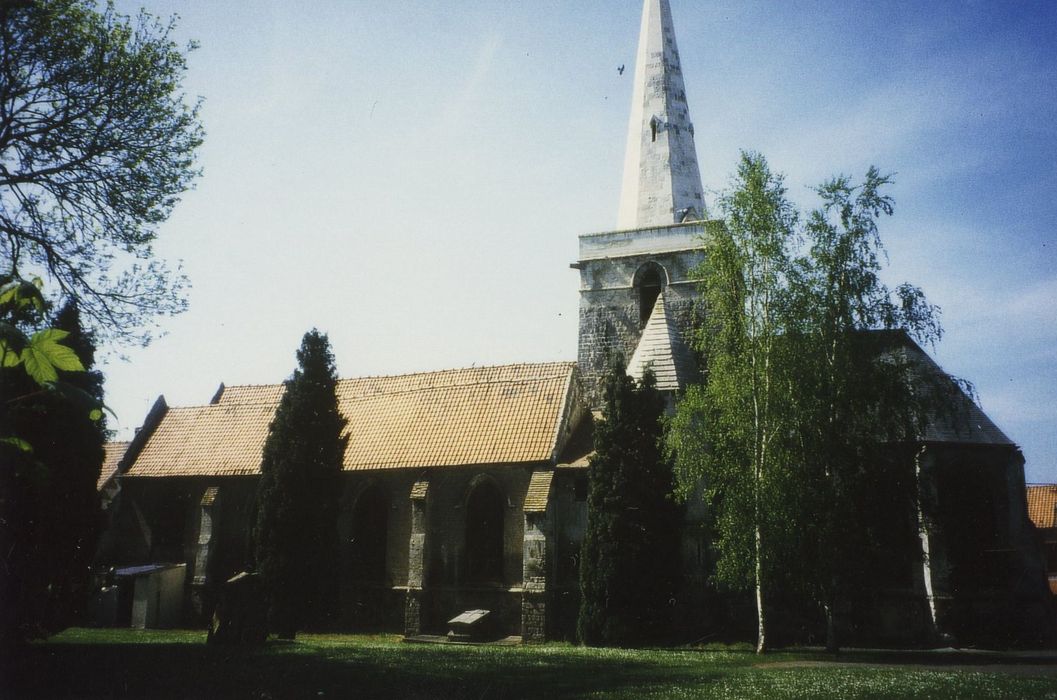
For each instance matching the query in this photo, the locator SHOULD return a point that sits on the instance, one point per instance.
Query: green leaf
(9, 291)
(21, 293)
(11, 333)
(59, 356)
(80, 398)
(51, 335)
(38, 366)
(17, 443)
(9, 357)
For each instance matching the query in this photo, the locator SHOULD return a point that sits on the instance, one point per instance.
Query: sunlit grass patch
(178, 664)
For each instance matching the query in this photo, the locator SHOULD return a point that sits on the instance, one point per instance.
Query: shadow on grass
(333, 669)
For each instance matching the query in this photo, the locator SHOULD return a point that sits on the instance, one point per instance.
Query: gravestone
(470, 626)
(241, 614)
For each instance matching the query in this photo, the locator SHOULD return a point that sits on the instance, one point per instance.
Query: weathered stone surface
(612, 269)
(534, 617)
(662, 182)
(241, 613)
(471, 625)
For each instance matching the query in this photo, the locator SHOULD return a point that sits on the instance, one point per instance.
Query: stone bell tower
(636, 297)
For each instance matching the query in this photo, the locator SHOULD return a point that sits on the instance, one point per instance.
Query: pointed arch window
(369, 540)
(650, 280)
(484, 534)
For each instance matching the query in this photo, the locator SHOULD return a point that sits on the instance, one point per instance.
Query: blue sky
(411, 177)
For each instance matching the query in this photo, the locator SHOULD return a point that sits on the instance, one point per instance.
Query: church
(466, 489)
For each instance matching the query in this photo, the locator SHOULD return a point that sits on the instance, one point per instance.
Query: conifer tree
(296, 535)
(629, 560)
(49, 506)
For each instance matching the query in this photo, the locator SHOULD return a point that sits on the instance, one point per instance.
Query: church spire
(662, 183)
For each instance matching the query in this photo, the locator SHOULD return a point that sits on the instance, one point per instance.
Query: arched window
(649, 281)
(369, 535)
(484, 534)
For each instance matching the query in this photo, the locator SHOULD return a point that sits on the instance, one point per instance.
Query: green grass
(178, 664)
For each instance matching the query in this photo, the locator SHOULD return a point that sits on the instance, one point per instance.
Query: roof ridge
(461, 369)
(448, 370)
(435, 387)
(220, 404)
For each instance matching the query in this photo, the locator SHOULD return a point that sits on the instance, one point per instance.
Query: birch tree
(861, 403)
(729, 432)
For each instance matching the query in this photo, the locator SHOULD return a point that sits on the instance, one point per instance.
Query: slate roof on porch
(478, 416)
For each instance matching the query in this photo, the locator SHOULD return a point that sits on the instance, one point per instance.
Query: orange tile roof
(1042, 504)
(483, 415)
(215, 440)
(539, 491)
(114, 451)
(249, 393)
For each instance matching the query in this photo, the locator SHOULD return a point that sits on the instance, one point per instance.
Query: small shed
(151, 594)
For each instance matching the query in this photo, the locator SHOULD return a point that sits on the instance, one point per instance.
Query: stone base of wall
(534, 617)
(413, 613)
(440, 605)
(372, 608)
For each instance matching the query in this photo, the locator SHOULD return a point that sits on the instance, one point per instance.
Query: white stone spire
(662, 183)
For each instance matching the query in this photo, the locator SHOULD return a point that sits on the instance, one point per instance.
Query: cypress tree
(629, 561)
(296, 535)
(49, 505)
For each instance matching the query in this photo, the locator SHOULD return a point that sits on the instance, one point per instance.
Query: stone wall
(161, 519)
(611, 266)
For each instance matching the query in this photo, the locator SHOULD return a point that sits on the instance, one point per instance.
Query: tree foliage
(296, 535)
(630, 554)
(49, 507)
(861, 401)
(802, 429)
(96, 145)
(732, 430)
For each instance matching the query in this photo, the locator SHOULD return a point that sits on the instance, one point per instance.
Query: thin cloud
(459, 108)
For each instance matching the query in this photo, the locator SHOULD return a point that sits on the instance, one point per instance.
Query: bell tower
(636, 296)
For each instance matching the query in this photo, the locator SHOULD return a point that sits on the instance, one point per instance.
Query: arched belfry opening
(368, 539)
(650, 280)
(484, 533)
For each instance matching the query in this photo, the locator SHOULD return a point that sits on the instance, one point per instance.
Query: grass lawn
(178, 664)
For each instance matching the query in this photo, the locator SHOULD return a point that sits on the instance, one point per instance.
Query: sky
(411, 177)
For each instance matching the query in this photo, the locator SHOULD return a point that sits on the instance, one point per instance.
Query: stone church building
(466, 488)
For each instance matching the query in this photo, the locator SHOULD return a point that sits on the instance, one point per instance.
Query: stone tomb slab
(470, 626)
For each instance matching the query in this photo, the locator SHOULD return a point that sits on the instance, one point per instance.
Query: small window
(580, 489)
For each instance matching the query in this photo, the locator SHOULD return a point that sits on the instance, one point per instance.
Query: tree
(296, 536)
(49, 508)
(862, 404)
(630, 553)
(731, 431)
(804, 429)
(96, 145)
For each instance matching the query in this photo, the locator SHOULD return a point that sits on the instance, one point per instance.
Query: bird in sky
(620, 70)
